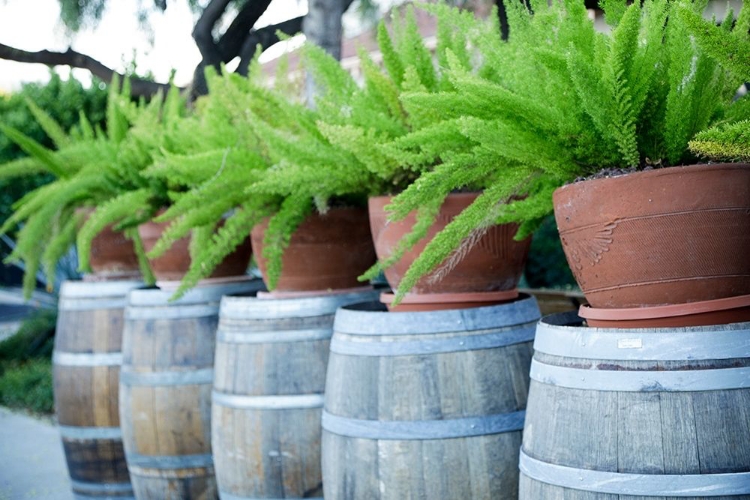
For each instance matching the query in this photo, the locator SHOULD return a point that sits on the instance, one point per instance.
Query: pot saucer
(418, 302)
(703, 313)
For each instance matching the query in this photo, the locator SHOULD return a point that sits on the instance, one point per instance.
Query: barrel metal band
(69, 432)
(91, 304)
(63, 358)
(651, 485)
(228, 496)
(197, 377)
(287, 402)
(511, 336)
(169, 461)
(172, 312)
(246, 337)
(423, 429)
(641, 381)
(107, 497)
(101, 488)
(656, 345)
(244, 308)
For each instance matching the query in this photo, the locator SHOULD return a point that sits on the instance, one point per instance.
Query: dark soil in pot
(494, 263)
(664, 236)
(326, 252)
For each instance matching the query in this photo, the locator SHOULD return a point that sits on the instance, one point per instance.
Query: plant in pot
(187, 151)
(560, 102)
(358, 123)
(230, 159)
(90, 167)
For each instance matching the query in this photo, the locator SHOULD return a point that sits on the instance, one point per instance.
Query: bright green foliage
(729, 44)
(727, 142)
(217, 154)
(557, 101)
(347, 154)
(94, 169)
(64, 101)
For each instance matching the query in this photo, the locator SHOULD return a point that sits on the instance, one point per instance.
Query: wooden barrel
(637, 413)
(86, 369)
(426, 404)
(271, 358)
(165, 390)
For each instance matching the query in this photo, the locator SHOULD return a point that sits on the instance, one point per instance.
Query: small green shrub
(27, 385)
(34, 338)
(547, 266)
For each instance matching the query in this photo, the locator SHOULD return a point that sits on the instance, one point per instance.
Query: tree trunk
(322, 26)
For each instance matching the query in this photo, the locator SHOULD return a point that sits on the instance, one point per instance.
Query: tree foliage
(62, 100)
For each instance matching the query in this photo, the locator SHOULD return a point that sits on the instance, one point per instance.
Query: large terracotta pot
(659, 237)
(112, 254)
(326, 252)
(493, 264)
(175, 262)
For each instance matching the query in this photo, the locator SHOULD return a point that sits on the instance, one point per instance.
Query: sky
(34, 25)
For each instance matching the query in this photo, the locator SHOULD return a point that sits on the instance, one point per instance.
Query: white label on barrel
(629, 344)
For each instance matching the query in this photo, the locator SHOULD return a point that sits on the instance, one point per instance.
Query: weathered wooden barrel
(86, 369)
(165, 390)
(426, 404)
(637, 413)
(271, 359)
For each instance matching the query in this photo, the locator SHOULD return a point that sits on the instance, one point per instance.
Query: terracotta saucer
(311, 293)
(170, 285)
(704, 313)
(418, 302)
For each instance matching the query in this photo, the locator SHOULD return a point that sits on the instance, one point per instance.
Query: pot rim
(660, 171)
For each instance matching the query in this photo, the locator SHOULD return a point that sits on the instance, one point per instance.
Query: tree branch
(139, 87)
(202, 30)
(265, 37)
(232, 40)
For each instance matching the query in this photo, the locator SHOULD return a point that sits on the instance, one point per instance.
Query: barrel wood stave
(271, 360)
(165, 390)
(664, 430)
(86, 366)
(419, 412)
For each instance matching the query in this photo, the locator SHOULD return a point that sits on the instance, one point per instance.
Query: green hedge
(26, 366)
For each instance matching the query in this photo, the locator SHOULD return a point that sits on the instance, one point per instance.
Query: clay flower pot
(488, 273)
(659, 237)
(326, 252)
(175, 262)
(113, 257)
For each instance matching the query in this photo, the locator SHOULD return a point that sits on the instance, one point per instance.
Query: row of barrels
(416, 405)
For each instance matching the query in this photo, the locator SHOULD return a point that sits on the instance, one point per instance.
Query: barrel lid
(565, 335)
(250, 307)
(155, 297)
(76, 289)
(371, 318)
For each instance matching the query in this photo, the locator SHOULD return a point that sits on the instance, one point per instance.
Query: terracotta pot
(175, 262)
(494, 263)
(326, 252)
(666, 236)
(112, 255)
(704, 313)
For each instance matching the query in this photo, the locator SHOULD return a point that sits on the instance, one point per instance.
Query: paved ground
(32, 464)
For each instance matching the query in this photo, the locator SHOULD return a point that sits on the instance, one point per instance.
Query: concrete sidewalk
(32, 464)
